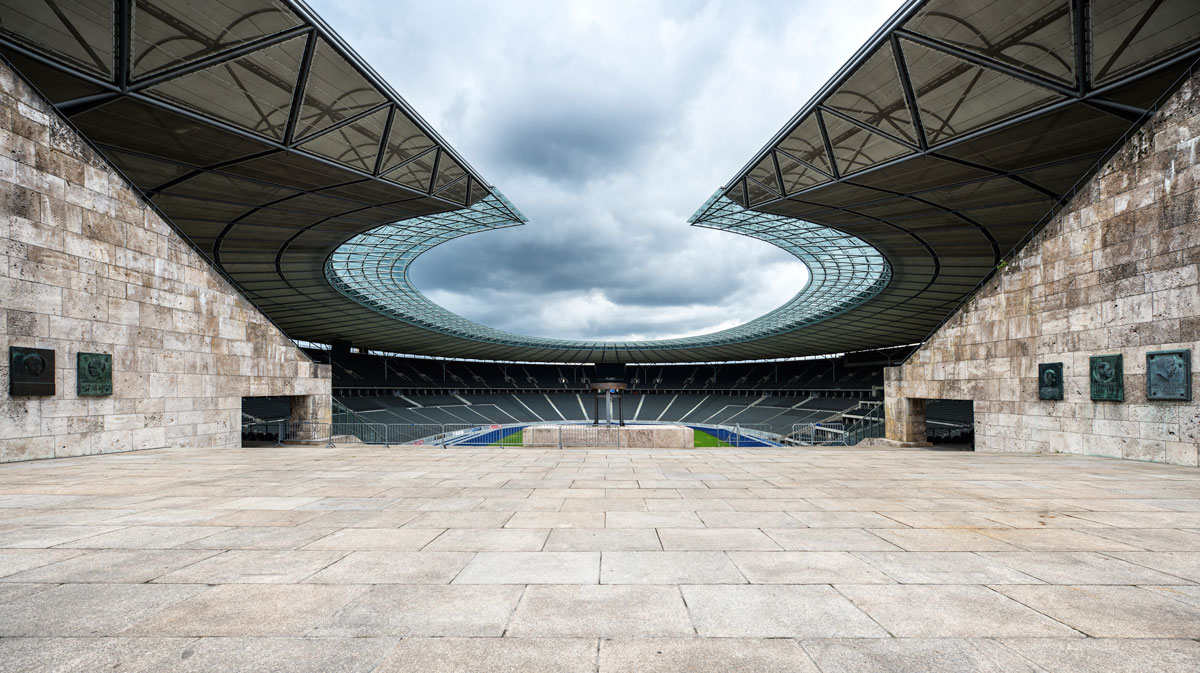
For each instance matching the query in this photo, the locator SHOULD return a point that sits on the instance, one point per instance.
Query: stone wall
(1114, 272)
(88, 266)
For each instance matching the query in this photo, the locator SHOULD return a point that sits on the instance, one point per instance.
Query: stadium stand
(774, 395)
(375, 373)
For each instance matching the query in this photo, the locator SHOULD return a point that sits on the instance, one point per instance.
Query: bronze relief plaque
(1050, 381)
(30, 371)
(1107, 374)
(93, 374)
(1169, 375)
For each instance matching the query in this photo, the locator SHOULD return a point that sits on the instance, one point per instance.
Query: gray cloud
(607, 124)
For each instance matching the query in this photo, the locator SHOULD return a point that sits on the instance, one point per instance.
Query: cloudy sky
(607, 123)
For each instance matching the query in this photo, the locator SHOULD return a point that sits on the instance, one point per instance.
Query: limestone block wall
(86, 265)
(1114, 272)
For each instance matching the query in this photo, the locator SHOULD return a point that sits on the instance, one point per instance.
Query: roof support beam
(289, 132)
(1080, 18)
(218, 58)
(124, 40)
(909, 96)
(837, 173)
(985, 62)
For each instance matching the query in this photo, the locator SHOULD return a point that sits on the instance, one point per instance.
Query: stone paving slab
(601, 610)
(313, 559)
(776, 611)
(246, 610)
(498, 655)
(1110, 655)
(563, 567)
(950, 611)
(705, 655)
(88, 609)
(917, 655)
(423, 610)
(113, 566)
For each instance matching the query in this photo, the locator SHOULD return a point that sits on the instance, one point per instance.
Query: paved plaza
(371, 559)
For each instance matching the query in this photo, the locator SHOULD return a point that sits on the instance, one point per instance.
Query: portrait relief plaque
(1169, 375)
(1050, 381)
(30, 371)
(93, 374)
(1107, 373)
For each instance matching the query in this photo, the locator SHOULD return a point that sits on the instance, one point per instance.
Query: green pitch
(703, 439)
(515, 439)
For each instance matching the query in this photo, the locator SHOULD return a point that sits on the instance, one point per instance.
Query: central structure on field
(616, 436)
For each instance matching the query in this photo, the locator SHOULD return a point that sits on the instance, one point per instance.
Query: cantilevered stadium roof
(372, 269)
(946, 141)
(955, 132)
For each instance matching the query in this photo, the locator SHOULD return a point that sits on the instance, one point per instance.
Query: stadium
(237, 435)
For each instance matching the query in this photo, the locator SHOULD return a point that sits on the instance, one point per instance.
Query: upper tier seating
(370, 373)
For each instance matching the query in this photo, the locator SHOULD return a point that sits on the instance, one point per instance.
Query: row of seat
(369, 371)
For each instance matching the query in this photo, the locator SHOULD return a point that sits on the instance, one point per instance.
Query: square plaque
(1169, 375)
(1050, 381)
(93, 374)
(1107, 373)
(30, 371)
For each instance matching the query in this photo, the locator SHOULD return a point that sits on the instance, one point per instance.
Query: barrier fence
(415, 433)
(386, 434)
(450, 434)
(754, 434)
(869, 425)
(358, 432)
(741, 435)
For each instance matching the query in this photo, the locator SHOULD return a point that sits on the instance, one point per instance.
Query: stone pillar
(311, 408)
(905, 421)
(306, 412)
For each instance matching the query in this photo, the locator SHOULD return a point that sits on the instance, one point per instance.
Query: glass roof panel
(76, 31)
(956, 97)
(253, 92)
(448, 171)
(857, 148)
(797, 176)
(355, 144)
(416, 174)
(169, 33)
(456, 192)
(404, 141)
(1034, 35)
(805, 143)
(1129, 34)
(736, 194)
(372, 269)
(478, 192)
(873, 95)
(758, 193)
(764, 174)
(335, 91)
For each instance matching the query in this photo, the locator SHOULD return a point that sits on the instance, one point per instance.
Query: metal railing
(365, 433)
(754, 434)
(487, 435)
(305, 432)
(740, 434)
(467, 435)
(417, 434)
(263, 431)
(868, 425)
